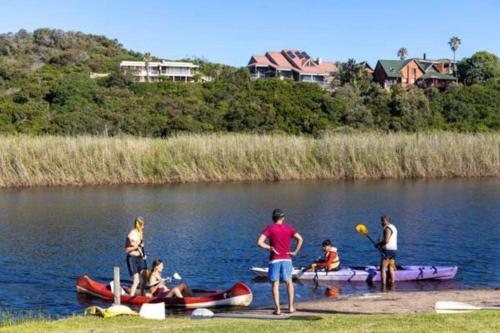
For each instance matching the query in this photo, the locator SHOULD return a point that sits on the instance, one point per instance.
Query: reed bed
(85, 160)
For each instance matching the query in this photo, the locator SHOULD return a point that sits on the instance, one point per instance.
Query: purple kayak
(371, 273)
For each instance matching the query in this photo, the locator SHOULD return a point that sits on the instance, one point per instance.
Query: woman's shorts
(136, 264)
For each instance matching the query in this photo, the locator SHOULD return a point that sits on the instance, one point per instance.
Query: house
(154, 71)
(421, 72)
(366, 66)
(435, 75)
(445, 66)
(292, 64)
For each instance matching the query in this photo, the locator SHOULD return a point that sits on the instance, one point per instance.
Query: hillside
(45, 88)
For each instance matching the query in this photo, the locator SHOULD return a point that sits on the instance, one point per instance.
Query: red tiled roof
(295, 61)
(259, 60)
(323, 67)
(283, 60)
(278, 59)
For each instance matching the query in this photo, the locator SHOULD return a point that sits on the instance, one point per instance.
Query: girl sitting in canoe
(331, 260)
(158, 285)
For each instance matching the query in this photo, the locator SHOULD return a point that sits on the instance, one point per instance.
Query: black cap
(277, 214)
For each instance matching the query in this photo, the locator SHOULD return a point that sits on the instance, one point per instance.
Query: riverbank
(401, 302)
(471, 322)
(53, 161)
(380, 312)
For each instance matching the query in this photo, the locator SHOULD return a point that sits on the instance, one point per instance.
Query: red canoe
(237, 295)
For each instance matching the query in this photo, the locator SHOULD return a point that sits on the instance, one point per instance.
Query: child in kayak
(158, 285)
(331, 260)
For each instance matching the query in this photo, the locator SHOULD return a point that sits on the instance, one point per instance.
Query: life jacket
(336, 262)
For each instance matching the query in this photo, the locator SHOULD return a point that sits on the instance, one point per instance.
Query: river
(207, 233)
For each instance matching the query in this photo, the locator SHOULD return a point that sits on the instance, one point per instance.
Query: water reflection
(207, 233)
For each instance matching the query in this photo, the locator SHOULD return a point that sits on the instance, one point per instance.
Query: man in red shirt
(279, 236)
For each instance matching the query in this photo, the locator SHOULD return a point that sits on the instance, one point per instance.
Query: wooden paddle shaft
(116, 285)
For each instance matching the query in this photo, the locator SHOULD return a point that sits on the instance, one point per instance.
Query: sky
(229, 32)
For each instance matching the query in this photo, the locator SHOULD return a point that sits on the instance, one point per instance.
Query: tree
(454, 43)
(479, 68)
(353, 73)
(45, 88)
(402, 53)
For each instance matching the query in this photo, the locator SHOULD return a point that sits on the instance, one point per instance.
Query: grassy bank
(40, 161)
(473, 322)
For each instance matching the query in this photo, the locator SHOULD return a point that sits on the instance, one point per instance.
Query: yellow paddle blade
(362, 229)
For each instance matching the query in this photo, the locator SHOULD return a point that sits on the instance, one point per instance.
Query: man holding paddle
(279, 236)
(388, 246)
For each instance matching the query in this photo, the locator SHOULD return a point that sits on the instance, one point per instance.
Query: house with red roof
(292, 64)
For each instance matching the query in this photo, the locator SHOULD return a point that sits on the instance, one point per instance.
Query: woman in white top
(388, 245)
(158, 285)
(136, 257)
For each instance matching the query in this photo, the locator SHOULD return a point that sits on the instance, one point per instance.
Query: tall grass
(40, 161)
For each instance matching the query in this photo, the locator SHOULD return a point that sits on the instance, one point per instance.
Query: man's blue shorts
(389, 254)
(280, 270)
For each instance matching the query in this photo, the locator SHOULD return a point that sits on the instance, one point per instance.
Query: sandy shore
(396, 302)
(402, 302)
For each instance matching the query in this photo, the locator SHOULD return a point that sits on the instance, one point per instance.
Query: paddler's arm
(133, 245)
(155, 285)
(261, 242)
(299, 240)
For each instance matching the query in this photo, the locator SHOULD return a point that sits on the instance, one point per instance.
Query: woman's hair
(156, 263)
(139, 224)
(385, 218)
(326, 243)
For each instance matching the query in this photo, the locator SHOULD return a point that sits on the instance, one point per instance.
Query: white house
(152, 71)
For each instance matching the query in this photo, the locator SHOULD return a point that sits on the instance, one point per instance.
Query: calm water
(207, 232)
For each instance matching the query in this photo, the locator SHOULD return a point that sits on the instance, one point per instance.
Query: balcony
(258, 75)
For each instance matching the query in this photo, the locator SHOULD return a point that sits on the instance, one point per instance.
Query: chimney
(318, 60)
(425, 56)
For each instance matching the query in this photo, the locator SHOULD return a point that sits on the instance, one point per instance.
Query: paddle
(459, 307)
(363, 230)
